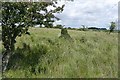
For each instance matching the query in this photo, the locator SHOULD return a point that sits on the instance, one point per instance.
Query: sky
(95, 13)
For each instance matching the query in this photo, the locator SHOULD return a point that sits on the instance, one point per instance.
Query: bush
(64, 34)
(26, 57)
(64, 31)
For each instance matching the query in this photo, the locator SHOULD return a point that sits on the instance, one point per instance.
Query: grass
(0, 52)
(0, 39)
(43, 54)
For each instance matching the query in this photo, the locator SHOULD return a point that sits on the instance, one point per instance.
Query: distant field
(42, 54)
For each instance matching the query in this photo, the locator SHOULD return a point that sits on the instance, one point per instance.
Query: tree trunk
(6, 56)
(5, 60)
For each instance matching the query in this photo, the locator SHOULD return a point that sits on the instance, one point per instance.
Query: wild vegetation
(112, 27)
(44, 54)
(16, 19)
(48, 52)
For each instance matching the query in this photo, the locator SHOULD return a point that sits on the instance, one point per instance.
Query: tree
(14, 23)
(58, 26)
(16, 19)
(112, 27)
(42, 16)
(69, 27)
(84, 28)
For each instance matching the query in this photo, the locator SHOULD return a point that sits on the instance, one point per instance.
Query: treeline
(80, 29)
(87, 28)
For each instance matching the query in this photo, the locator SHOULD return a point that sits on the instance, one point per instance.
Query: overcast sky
(97, 13)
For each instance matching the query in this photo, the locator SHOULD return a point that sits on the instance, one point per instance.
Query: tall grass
(0, 52)
(43, 54)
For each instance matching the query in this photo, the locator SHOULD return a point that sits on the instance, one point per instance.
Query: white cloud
(96, 12)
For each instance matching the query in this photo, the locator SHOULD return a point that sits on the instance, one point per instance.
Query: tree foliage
(58, 26)
(18, 16)
(42, 16)
(112, 27)
(83, 27)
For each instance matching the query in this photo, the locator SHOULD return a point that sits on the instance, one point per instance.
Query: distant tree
(58, 26)
(84, 28)
(93, 28)
(73, 28)
(16, 19)
(69, 27)
(112, 27)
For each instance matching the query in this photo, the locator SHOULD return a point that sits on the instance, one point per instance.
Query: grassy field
(43, 54)
(0, 52)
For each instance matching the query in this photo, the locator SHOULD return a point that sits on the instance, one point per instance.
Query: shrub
(64, 34)
(64, 31)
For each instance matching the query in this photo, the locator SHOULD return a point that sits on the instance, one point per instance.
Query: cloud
(90, 13)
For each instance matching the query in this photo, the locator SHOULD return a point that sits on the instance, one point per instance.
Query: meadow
(0, 53)
(42, 54)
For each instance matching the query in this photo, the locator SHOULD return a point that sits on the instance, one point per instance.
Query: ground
(90, 54)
